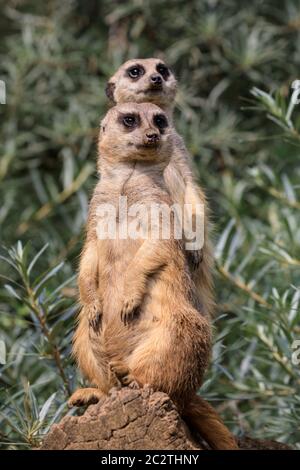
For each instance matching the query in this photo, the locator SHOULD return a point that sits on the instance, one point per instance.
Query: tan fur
(202, 417)
(141, 319)
(178, 174)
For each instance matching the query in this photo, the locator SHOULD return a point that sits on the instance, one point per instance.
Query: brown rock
(132, 419)
(126, 419)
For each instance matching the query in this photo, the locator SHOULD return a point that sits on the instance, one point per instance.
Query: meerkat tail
(202, 417)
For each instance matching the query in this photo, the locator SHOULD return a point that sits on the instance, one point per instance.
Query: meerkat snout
(152, 137)
(156, 80)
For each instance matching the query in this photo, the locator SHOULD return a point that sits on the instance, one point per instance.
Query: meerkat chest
(127, 208)
(128, 215)
(131, 209)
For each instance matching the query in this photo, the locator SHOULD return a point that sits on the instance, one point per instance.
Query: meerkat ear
(109, 90)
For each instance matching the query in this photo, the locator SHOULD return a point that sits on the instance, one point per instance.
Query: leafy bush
(235, 62)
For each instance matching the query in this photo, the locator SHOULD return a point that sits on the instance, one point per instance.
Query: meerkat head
(132, 132)
(143, 80)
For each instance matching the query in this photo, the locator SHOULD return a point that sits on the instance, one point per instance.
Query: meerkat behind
(151, 80)
(141, 321)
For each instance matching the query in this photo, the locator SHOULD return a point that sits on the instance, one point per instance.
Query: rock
(132, 419)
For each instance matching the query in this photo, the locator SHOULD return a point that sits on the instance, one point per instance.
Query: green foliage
(235, 62)
(38, 349)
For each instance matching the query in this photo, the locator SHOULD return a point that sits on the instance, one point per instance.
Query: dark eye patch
(135, 71)
(160, 121)
(163, 70)
(129, 120)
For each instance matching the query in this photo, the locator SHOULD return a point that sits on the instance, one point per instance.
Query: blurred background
(235, 62)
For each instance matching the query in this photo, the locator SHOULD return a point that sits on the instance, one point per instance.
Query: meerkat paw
(85, 396)
(94, 315)
(195, 258)
(122, 374)
(130, 309)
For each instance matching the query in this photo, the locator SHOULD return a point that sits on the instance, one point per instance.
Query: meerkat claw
(195, 258)
(129, 311)
(85, 396)
(95, 322)
(123, 374)
(95, 318)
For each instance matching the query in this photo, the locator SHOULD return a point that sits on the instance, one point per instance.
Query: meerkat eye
(129, 120)
(160, 121)
(163, 70)
(135, 71)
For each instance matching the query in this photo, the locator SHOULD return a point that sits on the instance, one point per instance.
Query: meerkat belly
(155, 307)
(172, 340)
(151, 320)
(116, 256)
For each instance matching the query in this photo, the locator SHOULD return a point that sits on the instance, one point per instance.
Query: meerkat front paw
(130, 308)
(121, 374)
(94, 315)
(195, 258)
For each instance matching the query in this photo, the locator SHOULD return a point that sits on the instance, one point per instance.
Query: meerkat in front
(141, 322)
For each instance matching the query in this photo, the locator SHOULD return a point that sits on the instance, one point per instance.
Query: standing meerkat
(141, 322)
(150, 80)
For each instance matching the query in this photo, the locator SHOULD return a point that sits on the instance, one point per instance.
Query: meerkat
(151, 80)
(141, 322)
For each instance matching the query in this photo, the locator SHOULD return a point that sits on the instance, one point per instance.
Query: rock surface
(131, 419)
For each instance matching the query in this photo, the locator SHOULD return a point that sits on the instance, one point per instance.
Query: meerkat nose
(152, 136)
(156, 79)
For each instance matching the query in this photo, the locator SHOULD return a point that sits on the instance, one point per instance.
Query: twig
(46, 332)
(241, 285)
(62, 197)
